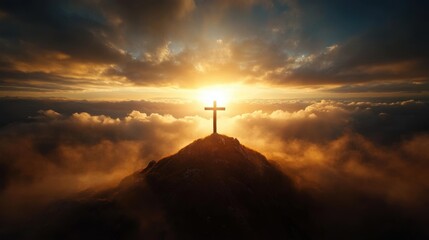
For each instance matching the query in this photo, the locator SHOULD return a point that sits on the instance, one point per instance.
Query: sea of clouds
(355, 156)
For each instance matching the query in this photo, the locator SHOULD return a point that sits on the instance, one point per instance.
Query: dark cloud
(389, 50)
(72, 28)
(154, 19)
(396, 87)
(39, 81)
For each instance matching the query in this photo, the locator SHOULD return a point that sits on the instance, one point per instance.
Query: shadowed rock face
(214, 188)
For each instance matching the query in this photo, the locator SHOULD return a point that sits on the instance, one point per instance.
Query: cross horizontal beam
(218, 108)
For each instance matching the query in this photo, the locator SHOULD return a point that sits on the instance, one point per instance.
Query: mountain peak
(215, 153)
(216, 188)
(212, 143)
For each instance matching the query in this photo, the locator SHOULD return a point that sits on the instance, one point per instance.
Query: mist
(344, 154)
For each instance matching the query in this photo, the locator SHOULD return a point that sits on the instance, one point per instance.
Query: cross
(214, 108)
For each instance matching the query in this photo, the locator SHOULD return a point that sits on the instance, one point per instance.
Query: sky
(334, 92)
(132, 50)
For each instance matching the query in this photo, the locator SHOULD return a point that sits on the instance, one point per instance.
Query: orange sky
(116, 50)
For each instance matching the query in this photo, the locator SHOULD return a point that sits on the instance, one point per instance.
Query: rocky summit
(216, 187)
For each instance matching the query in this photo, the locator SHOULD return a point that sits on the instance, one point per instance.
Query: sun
(218, 94)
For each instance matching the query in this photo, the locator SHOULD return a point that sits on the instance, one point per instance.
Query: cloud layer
(361, 149)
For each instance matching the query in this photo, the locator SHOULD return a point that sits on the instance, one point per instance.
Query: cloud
(59, 26)
(62, 46)
(361, 163)
(327, 120)
(151, 18)
(55, 156)
(394, 87)
(319, 144)
(389, 54)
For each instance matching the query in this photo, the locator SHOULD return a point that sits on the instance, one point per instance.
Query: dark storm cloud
(54, 45)
(73, 28)
(390, 46)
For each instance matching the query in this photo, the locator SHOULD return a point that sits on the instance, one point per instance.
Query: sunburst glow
(218, 94)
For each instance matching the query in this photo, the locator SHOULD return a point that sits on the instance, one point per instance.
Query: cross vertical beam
(214, 109)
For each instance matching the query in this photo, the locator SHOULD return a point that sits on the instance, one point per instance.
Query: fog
(337, 151)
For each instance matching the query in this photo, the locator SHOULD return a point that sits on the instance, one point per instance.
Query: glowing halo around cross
(208, 95)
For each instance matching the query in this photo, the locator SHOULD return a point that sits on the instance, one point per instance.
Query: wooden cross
(214, 108)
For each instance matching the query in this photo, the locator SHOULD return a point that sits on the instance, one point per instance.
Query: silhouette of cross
(214, 108)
